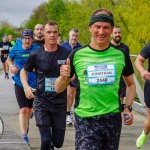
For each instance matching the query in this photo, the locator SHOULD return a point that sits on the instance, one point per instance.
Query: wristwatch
(129, 107)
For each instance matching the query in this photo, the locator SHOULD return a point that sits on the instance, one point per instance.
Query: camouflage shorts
(98, 133)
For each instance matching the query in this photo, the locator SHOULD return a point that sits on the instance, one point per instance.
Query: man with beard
(115, 42)
(38, 35)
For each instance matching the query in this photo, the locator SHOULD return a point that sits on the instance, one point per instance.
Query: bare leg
(71, 91)
(147, 122)
(24, 119)
(4, 66)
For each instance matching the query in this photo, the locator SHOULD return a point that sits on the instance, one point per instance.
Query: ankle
(68, 113)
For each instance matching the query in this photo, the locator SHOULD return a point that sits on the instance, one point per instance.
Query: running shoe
(140, 142)
(69, 120)
(52, 146)
(6, 76)
(26, 139)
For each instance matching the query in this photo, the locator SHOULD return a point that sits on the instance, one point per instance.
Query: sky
(16, 11)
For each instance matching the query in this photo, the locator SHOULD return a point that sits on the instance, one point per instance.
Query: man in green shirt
(98, 68)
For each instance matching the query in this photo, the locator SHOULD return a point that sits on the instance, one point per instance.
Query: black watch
(129, 107)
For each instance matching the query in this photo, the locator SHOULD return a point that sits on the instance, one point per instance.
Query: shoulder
(63, 49)
(124, 45)
(17, 47)
(65, 44)
(79, 45)
(34, 46)
(79, 50)
(147, 46)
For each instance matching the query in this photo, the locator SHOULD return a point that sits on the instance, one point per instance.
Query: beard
(117, 39)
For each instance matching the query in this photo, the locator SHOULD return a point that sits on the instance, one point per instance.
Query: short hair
(74, 30)
(97, 11)
(116, 26)
(51, 23)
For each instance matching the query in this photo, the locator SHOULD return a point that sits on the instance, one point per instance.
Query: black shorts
(98, 133)
(122, 89)
(3, 59)
(21, 98)
(50, 116)
(147, 93)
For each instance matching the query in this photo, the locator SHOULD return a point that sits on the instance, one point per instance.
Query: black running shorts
(21, 98)
(147, 93)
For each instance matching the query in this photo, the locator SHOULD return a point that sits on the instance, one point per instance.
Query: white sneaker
(69, 120)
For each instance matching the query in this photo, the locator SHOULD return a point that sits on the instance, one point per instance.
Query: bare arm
(61, 84)
(130, 95)
(13, 69)
(139, 66)
(27, 88)
(63, 80)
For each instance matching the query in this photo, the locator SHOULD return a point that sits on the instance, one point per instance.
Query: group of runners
(90, 75)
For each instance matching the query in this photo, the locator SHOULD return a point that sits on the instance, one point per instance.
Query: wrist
(10, 66)
(129, 107)
(62, 78)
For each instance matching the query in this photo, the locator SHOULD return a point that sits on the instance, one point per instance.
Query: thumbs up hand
(65, 69)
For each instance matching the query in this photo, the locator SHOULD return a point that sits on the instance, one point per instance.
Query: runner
(49, 107)
(145, 74)
(11, 40)
(98, 68)
(5, 48)
(16, 60)
(38, 35)
(71, 44)
(116, 43)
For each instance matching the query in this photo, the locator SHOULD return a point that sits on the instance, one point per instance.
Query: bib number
(49, 84)
(101, 74)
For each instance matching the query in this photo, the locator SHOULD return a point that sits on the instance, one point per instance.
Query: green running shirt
(98, 74)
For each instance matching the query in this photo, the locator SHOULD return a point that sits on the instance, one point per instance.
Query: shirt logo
(61, 62)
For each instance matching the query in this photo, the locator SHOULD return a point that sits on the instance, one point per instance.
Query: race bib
(49, 84)
(5, 55)
(101, 74)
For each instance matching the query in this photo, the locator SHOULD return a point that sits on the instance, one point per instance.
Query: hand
(65, 70)
(146, 75)
(13, 69)
(29, 93)
(127, 118)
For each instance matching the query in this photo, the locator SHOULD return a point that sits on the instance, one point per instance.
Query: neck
(39, 39)
(50, 48)
(72, 44)
(99, 47)
(25, 47)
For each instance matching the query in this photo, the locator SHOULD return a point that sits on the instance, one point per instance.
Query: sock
(68, 113)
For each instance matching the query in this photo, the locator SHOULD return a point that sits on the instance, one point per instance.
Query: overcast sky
(16, 11)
